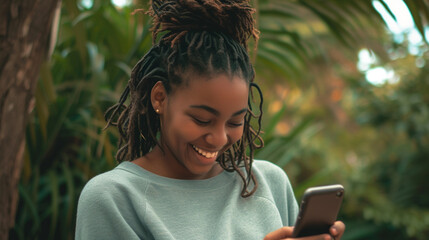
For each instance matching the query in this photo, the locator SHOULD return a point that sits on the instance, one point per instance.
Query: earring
(157, 110)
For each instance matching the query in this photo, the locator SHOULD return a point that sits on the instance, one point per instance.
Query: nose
(217, 137)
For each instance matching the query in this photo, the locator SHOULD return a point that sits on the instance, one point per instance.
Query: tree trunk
(25, 28)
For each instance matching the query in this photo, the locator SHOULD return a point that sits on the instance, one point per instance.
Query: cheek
(185, 129)
(235, 134)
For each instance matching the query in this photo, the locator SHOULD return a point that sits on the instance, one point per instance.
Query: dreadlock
(206, 37)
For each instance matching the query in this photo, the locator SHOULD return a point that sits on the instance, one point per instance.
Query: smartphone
(318, 211)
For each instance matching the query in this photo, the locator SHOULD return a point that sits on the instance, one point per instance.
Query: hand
(336, 232)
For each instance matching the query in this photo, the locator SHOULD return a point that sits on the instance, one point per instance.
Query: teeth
(204, 153)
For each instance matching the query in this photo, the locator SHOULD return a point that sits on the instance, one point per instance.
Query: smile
(205, 153)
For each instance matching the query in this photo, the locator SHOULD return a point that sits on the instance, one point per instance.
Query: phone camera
(340, 193)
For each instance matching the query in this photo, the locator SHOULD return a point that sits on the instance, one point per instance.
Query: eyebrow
(216, 112)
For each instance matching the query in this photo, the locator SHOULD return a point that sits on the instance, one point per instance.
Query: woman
(186, 152)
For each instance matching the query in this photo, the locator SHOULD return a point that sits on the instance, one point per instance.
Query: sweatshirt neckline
(207, 184)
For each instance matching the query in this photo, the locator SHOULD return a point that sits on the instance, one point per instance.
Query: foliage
(396, 176)
(305, 52)
(66, 144)
(293, 33)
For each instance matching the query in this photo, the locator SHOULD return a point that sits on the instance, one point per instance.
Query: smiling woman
(200, 122)
(195, 48)
(186, 152)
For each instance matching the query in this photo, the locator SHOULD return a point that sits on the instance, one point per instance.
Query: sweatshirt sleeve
(100, 212)
(292, 204)
(281, 191)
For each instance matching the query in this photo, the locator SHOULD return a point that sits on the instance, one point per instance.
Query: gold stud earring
(157, 110)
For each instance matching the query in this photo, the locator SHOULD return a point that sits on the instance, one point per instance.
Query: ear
(158, 97)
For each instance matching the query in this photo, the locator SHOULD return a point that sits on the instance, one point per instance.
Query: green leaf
(54, 187)
(81, 17)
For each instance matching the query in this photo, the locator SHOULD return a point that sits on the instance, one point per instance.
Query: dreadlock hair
(206, 37)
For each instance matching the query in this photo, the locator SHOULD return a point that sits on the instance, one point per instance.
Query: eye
(234, 125)
(200, 121)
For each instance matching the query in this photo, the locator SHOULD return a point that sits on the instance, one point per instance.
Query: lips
(204, 153)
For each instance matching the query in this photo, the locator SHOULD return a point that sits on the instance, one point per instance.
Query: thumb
(280, 233)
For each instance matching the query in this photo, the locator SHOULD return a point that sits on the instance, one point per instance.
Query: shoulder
(105, 181)
(274, 185)
(269, 171)
(110, 205)
(114, 185)
(267, 165)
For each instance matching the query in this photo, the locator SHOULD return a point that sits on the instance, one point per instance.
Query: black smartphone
(318, 211)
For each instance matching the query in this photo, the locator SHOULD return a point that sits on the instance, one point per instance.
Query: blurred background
(346, 87)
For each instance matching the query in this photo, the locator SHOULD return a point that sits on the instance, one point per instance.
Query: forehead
(216, 91)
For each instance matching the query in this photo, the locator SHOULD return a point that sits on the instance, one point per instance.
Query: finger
(337, 230)
(280, 233)
(316, 237)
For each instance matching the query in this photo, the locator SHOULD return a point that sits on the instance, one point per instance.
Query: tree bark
(25, 28)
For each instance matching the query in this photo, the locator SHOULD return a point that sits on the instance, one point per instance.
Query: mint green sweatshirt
(129, 202)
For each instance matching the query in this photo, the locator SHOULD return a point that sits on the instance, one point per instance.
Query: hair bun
(230, 17)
